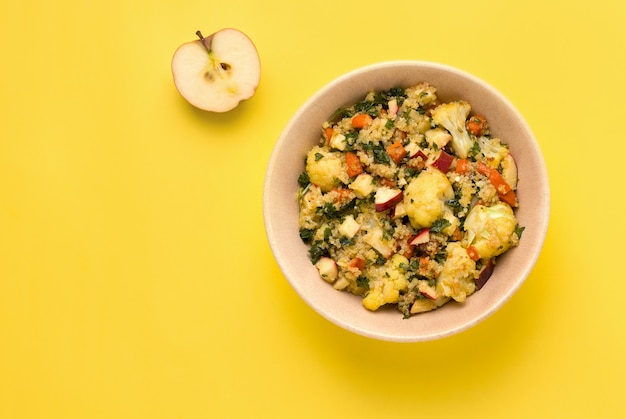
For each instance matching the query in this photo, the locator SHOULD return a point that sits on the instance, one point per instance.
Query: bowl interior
(280, 205)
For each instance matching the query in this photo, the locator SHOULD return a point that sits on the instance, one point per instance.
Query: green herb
(303, 179)
(317, 250)
(318, 156)
(306, 234)
(519, 230)
(363, 282)
(381, 156)
(473, 152)
(439, 225)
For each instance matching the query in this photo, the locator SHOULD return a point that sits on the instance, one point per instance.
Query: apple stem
(199, 34)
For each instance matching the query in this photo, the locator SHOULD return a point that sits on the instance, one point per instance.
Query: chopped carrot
(361, 120)
(505, 192)
(396, 151)
(386, 182)
(354, 164)
(457, 235)
(477, 125)
(509, 197)
(473, 253)
(462, 166)
(328, 132)
(357, 263)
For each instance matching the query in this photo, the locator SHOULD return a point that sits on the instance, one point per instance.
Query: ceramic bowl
(303, 131)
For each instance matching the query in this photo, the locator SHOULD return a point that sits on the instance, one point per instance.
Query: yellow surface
(135, 276)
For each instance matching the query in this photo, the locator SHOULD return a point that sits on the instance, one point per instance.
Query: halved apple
(215, 73)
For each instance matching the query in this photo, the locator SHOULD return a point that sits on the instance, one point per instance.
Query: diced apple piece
(341, 283)
(349, 227)
(438, 136)
(393, 107)
(399, 211)
(387, 198)
(423, 305)
(485, 274)
(338, 141)
(362, 185)
(440, 160)
(415, 150)
(509, 171)
(427, 291)
(422, 236)
(327, 268)
(374, 238)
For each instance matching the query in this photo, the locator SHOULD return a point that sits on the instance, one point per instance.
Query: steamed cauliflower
(491, 230)
(385, 289)
(425, 196)
(326, 168)
(458, 274)
(452, 116)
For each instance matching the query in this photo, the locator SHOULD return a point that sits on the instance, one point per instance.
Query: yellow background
(135, 276)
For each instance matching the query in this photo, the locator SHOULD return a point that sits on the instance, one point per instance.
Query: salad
(407, 201)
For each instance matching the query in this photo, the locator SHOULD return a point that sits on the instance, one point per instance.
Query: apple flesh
(387, 198)
(441, 160)
(485, 274)
(327, 268)
(217, 72)
(422, 236)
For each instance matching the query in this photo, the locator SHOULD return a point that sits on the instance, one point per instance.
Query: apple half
(215, 73)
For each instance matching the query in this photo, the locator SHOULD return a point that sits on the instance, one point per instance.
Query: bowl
(303, 131)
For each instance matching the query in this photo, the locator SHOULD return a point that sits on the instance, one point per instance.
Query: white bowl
(280, 207)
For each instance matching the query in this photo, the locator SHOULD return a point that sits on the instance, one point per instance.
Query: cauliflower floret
(458, 273)
(326, 168)
(452, 116)
(491, 230)
(425, 196)
(385, 289)
(493, 151)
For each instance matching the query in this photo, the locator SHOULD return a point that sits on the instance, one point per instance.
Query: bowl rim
(337, 318)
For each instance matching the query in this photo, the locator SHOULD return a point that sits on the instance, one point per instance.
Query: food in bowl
(407, 200)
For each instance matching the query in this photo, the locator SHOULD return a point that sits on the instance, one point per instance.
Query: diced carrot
(477, 125)
(510, 198)
(357, 263)
(361, 120)
(386, 182)
(473, 253)
(505, 192)
(462, 166)
(354, 164)
(457, 235)
(396, 151)
(328, 133)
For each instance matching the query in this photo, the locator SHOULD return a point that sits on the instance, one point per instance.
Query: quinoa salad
(407, 201)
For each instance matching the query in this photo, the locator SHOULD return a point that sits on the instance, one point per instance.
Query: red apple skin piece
(428, 292)
(387, 198)
(422, 236)
(443, 161)
(485, 274)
